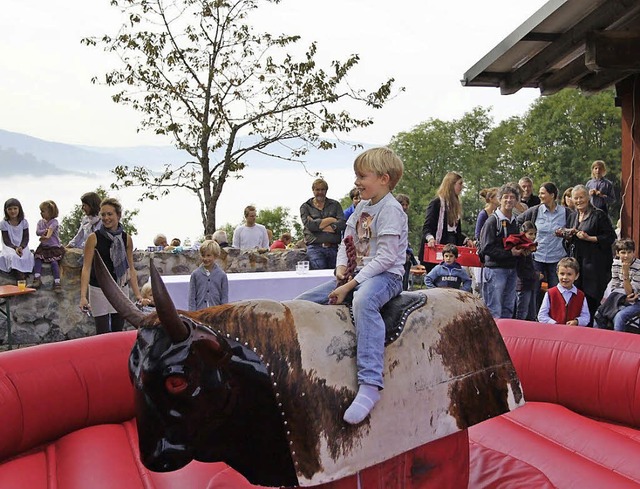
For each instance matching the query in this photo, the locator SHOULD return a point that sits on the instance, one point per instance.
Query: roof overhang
(588, 44)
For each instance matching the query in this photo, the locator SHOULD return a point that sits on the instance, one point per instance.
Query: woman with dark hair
(547, 217)
(490, 196)
(589, 238)
(90, 221)
(115, 247)
(443, 216)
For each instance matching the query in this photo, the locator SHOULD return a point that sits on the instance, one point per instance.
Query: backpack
(480, 249)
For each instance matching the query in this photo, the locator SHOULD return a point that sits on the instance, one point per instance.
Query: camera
(565, 233)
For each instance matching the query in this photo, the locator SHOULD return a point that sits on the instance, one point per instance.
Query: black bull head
(198, 395)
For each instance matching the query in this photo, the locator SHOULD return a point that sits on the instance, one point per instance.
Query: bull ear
(167, 313)
(114, 294)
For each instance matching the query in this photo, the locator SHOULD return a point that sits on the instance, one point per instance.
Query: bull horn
(114, 294)
(167, 313)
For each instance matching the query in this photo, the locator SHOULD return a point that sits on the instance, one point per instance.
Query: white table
(277, 286)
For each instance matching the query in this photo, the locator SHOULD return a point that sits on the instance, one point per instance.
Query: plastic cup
(304, 267)
(22, 284)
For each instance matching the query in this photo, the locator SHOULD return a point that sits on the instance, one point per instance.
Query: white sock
(362, 405)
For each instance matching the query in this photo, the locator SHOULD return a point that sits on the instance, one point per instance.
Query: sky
(427, 46)
(45, 73)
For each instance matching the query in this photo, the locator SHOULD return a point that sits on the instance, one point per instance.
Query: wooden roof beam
(617, 50)
(599, 19)
(568, 76)
(595, 82)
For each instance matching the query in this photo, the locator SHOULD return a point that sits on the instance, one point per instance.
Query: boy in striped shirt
(625, 278)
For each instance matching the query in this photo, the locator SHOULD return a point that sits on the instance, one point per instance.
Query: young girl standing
(528, 282)
(16, 257)
(49, 250)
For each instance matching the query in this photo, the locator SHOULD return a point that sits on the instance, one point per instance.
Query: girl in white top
(16, 258)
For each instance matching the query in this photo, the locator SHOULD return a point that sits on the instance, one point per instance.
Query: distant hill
(36, 155)
(14, 163)
(23, 154)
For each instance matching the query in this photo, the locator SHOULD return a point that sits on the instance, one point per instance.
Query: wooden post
(629, 94)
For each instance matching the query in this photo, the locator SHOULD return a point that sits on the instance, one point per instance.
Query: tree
(428, 151)
(568, 131)
(71, 222)
(198, 72)
(556, 140)
(278, 220)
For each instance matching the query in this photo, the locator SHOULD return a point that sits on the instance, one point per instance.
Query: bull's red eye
(175, 384)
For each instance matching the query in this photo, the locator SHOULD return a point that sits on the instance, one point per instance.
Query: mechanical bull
(262, 385)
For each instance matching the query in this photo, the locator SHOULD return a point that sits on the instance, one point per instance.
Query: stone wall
(46, 316)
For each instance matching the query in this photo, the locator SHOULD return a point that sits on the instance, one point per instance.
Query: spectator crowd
(550, 257)
(546, 256)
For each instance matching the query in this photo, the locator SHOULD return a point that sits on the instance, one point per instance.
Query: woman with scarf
(116, 250)
(443, 215)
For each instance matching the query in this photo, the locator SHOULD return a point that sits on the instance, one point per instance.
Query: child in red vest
(564, 303)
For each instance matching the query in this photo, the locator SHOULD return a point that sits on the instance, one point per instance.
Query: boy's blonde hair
(210, 246)
(569, 262)
(381, 161)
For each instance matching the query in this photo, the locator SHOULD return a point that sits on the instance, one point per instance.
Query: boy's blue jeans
(625, 314)
(367, 300)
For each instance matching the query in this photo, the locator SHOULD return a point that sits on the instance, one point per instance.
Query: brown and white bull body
(263, 385)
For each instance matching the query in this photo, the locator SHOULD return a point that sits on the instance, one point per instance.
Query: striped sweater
(616, 284)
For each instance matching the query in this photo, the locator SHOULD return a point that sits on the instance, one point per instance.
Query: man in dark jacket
(499, 273)
(528, 197)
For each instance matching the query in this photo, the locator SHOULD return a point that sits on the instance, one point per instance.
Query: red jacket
(278, 244)
(559, 310)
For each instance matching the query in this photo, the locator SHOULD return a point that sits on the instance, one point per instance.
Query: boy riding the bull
(379, 230)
